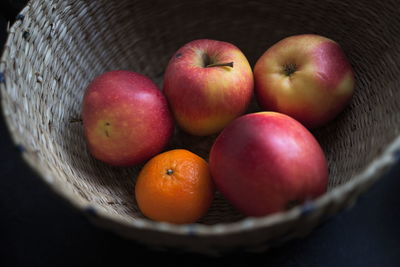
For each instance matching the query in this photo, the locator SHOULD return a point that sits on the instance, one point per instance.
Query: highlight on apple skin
(267, 162)
(126, 118)
(208, 83)
(307, 77)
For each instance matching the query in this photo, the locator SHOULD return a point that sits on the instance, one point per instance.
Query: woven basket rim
(370, 174)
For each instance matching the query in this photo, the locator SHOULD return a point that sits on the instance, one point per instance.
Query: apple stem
(227, 64)
(73, 120)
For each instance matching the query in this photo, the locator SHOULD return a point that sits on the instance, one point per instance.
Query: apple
(208, 83)
(307, 77)
(267, 162)
(126, 118)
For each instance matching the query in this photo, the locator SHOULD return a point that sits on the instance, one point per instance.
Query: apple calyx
(289, 69)
(227, 64)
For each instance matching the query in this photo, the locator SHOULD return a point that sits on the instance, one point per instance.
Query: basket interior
(71, 42)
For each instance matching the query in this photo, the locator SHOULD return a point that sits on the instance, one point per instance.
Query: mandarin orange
(175, 186)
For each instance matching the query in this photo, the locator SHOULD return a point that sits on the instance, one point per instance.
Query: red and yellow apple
(126, 118)
(267, 162)
(307, 77)
(208, 83)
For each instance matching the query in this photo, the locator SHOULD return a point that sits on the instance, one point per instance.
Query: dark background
(39, 229)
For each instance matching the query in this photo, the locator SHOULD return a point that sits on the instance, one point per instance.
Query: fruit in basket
(267, 162)
(208, 83)
(175, 186)
(126, 118)
(307, 77)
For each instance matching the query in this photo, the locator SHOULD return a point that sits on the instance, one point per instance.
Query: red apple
(266, 162)
(126, 118)
(208, 83)
(307, 77)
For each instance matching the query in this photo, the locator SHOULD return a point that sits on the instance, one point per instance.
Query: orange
(175, 186)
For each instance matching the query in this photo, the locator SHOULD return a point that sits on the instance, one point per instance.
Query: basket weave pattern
(57, 47)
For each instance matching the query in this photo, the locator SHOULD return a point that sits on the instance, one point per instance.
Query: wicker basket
(55, 48)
